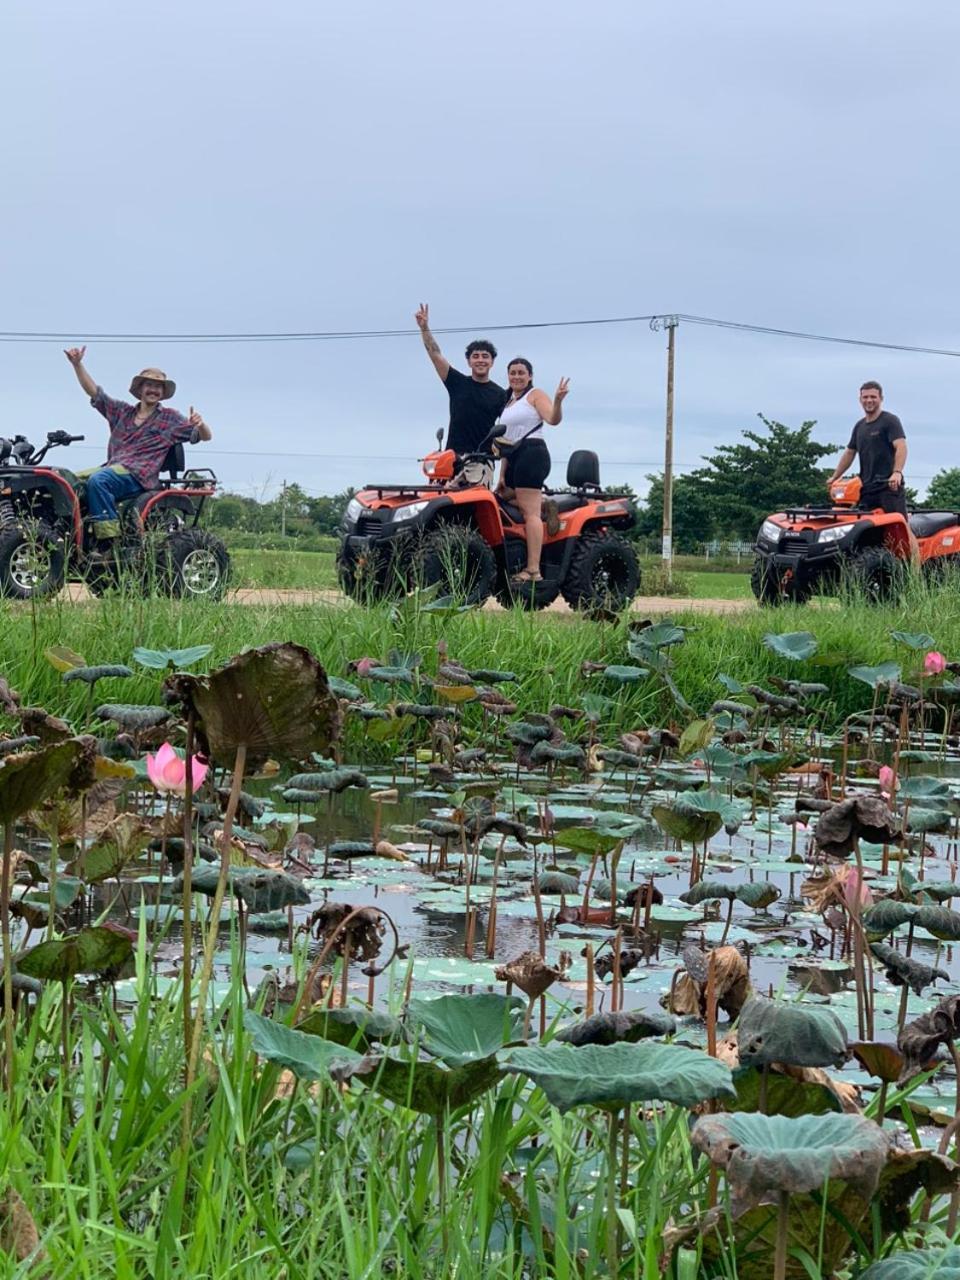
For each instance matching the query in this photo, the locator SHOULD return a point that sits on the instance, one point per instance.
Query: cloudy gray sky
(213, 167)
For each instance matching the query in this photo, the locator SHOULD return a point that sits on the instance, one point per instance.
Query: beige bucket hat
(154, 375)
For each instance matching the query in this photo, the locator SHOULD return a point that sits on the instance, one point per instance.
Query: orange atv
(454, 532)
(807, 551)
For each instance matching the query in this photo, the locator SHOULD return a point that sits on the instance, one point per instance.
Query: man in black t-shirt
(475, 402)
(879, 441)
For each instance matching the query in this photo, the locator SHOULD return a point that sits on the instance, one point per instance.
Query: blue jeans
(104, 488)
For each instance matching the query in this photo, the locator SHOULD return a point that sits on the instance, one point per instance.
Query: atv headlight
(770, 531)
(354, 510)
(408, 513)
(833, 534)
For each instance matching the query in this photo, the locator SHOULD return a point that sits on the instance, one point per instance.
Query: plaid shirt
(141, 447)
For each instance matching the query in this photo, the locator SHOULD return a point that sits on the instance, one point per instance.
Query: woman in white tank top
(523, 418)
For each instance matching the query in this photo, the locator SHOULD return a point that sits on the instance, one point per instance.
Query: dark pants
(887, 499)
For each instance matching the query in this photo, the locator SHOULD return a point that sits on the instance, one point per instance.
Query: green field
(314, 570)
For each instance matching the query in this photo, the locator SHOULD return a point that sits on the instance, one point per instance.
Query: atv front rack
(820, 513)
(402, 489)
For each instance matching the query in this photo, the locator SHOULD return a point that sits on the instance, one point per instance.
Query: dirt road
(273, 596)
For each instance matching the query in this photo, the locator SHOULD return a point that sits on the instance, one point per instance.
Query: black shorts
(890, 500)
(528, 466)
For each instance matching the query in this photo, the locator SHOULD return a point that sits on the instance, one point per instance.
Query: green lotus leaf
(794, 1034)
(708, 891)
(885, 916)
(28, 778)
(459, 1029)
(620, 674)
(587, 841)
(526, 734)
(879, 1058)
(557, 882)
(764, 1155)
(358, 1028)
(133, 718)
(274, 701)
(697, 735)
(923, 787)
(122, 840)
(439, 827)
(759, 894)
(344, 689)
(884, 673)
(771, 763)
(63, 659)
(731, 685)
(99, 951)
(942, 1263)
(940, 921)
(173, 659)
(913, 639)
(424, 710)
(797, 645)
(662, 635)
(562, 753)
(782, 1095)
(393, 675)
(619, 759)
(683, 823)
(423, 1086)
(924, 817)
(627, 1025)
(90, 675)
(265, 890)
(939, 890)
(905, 971)
(615, 1074)
(307, 1056)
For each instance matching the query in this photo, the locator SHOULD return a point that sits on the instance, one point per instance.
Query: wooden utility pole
(283, 510)
(670, 324)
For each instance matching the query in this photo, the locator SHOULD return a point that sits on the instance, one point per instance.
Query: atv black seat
(173, 463)
(569, 501)
(925, 523)
(583, 470)
(512, 510)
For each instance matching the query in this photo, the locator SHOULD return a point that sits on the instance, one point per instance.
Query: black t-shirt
(873, 442)
(474, 408)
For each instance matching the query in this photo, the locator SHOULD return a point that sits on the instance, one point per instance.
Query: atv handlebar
(24, 453)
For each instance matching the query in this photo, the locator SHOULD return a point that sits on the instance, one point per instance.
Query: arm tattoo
(430, 342)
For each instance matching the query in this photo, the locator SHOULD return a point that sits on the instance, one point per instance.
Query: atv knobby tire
(603, 573)
(878, 574)
(764, 584)
(31, 563)
(457, 560)
(193, 563)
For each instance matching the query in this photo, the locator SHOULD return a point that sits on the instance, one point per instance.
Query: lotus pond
(382, 968)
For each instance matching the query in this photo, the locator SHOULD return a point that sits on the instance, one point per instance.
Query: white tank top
(517, 419)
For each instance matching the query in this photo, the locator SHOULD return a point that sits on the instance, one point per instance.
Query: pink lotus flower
(856, 893)
(888, 781)
(365, 665)
(168, 772)
(934, 663)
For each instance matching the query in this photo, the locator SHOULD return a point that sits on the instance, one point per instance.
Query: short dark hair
(481, 344)
(872, 386)
(524, 361)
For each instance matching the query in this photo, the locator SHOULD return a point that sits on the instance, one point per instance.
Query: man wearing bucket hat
(140, 436)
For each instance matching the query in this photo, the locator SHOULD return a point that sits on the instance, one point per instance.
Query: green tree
(944, 490)
(689, 527)
(743, 483)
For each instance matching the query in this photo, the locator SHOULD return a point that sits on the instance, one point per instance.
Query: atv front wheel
(603, 573)
(456, 559)
(878, 574)
(31, 563)
(193, 563)
(764, 584)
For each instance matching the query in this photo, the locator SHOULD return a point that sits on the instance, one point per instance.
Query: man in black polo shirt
(475, 402)
(879, 441)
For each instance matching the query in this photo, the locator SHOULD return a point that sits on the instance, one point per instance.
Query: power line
(345, 335)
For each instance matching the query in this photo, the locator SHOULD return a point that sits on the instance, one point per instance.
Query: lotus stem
(591, 980)
(210, 942)
(438, 1121)
(712, 1002)
(541, 925)
(614, 864)
(8, 1014)
(187, 899)
(726, 927)
(783, 1221)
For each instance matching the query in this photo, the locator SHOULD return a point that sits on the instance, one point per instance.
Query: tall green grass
(545, 650)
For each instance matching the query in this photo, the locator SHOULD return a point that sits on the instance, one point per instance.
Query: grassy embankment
(314, 570)
(545, 651)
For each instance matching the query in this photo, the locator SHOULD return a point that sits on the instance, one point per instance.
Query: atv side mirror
(440, 436)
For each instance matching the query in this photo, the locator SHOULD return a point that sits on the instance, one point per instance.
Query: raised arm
(551, 411)
(439, 360)
(75, 356)
(846, 458)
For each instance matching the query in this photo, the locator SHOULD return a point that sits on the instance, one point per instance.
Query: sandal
(525, 576)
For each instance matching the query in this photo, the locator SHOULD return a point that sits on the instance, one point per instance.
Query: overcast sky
(214, 167)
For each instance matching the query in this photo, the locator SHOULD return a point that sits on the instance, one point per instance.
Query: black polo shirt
(873, 444)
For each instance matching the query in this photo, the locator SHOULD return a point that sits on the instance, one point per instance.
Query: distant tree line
(724, 500)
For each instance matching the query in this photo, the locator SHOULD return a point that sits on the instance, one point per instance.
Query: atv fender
(894, 533)
(63, 497)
